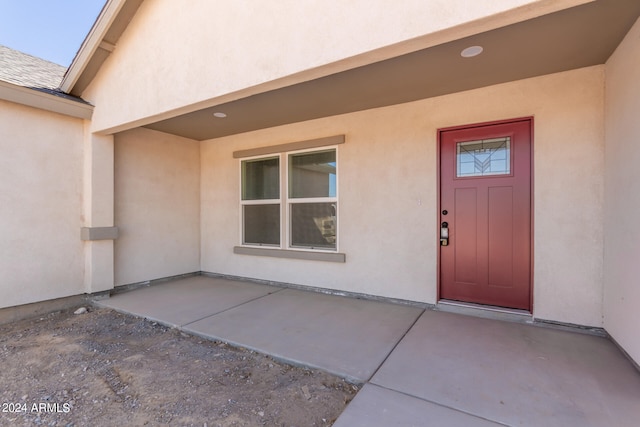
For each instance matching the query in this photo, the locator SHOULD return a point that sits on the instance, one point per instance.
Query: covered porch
(419, 365)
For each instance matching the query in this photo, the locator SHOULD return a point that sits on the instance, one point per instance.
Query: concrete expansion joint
(407, 361)
(433, 402)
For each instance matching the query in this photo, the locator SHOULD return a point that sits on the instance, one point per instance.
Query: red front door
(485, 208)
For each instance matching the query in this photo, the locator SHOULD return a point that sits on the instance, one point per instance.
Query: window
(484, 157)
(312, 199)
(261, 201)
(302, 213)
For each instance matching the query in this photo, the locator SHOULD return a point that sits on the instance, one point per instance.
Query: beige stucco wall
(41, 254)
(388, 194)
(157, 206)
(213, 51)
(622, 201)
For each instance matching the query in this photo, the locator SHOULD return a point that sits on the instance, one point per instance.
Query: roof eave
(98, 44)
(45, 101)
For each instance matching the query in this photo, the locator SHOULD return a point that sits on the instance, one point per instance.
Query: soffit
(99, 43)
(573, 38)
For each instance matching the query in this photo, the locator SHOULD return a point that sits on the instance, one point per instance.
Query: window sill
(291, 254)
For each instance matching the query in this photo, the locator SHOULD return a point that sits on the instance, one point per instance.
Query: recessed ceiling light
(220, 115)
(471, 51)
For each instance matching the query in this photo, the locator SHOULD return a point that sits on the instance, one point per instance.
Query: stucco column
(98, 232)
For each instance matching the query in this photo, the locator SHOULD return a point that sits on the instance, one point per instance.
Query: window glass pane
(484, 157)
(260, 179)
(312, 174)
(313, 225)
(262, 224)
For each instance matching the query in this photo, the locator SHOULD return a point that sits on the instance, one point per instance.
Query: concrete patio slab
(375, 406)
(183, 301)
(448, 369)
(514, 374)
(344, 336)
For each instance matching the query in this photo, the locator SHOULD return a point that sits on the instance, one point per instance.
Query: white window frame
(285, 201)
(289, 201)
(277, 201)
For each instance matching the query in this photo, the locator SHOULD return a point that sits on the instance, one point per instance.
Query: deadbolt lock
(444, 234)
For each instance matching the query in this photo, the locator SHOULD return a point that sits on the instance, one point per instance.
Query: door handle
(444, 234)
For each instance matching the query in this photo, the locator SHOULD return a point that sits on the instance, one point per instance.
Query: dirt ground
(102, 368)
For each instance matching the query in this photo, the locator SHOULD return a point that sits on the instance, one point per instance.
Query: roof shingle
(31, 72)
(25, 70)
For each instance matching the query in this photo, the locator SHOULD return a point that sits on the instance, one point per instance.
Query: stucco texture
(157, 206)
(388, 194)
(219, 51)
(41, 254)
(622, 202)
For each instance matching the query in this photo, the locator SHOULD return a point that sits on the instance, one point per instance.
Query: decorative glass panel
(262, 224)
(484, 157)
(312, 174)
(313, 225)
(261, 179)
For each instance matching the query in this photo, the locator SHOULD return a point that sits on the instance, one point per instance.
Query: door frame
(440, 131)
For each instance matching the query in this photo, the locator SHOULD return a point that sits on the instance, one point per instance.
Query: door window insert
(483, 157)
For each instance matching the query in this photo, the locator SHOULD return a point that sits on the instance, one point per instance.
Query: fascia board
(44, 101)
(91, 43)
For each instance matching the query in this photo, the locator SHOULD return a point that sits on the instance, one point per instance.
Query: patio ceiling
(578, 37)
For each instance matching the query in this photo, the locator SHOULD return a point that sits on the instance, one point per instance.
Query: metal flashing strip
(98, 233)
(487, 312)
(123, 288)
(513, 315)
(319, 290)
(291, 146)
